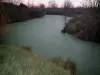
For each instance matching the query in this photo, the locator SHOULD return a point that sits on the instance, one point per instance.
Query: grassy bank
(19, 61)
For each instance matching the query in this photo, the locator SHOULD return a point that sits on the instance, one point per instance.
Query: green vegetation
(16, 60)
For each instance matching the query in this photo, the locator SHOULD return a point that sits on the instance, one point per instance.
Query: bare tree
(67, 5)
(42, 6)
(13, 1)
(93, 24)
(52, 4)
(89, 3)
(98, 3)
(30, 3)
(3, 14)
(4, 19)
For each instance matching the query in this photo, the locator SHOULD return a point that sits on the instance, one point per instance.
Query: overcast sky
(59, 2)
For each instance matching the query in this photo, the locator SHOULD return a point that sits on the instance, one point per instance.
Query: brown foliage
(58, 61)
(68, 65)
(71, 66)
(27, 48)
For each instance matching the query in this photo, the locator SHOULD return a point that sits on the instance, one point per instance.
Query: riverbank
(84, 27)
(19, 61)
(21, 12)
(12, 13)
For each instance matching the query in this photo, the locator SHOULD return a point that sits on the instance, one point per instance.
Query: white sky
(59, 2)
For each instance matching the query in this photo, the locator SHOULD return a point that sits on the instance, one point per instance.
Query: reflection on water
(44, 36)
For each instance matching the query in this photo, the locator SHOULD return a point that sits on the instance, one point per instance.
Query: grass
(18, 61)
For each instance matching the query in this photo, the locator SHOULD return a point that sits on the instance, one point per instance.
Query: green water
(45, 37)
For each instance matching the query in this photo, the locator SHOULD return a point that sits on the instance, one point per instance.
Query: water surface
(45, 37)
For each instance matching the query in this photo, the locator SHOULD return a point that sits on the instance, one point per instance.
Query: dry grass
(58, 61)
(27, 48)
(67, 65)
(17, 61)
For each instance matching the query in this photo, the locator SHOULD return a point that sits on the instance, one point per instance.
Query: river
(45, 37)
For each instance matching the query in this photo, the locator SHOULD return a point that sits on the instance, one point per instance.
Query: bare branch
(52, 4)
(89, 3)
